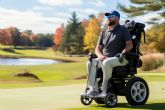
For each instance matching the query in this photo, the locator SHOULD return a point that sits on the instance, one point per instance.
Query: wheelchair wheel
(86, 100)
(111, 100)
(137, 91)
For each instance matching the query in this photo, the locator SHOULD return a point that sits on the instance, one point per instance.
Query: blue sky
(44, 16)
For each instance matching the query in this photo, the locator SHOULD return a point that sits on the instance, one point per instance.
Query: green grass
(63, 74)
(36, 53)
(157, 105)
(50, 75)
(55, 74)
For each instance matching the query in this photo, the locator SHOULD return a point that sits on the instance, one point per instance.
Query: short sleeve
(100, 40)
(126, 34)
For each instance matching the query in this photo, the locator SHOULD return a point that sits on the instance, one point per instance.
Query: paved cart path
(58, 97)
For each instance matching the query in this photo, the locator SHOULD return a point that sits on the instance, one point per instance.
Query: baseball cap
(112, 13)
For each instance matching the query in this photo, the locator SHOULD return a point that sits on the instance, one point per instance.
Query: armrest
(132, 55)
(134, 59)
(91, 56)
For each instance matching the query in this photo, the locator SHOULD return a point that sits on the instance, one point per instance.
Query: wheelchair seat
(124, 70)
(129, 69)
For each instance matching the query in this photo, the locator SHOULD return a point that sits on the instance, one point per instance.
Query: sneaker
(93, 94)
(83, 94)
(102, 95)
(90, 93)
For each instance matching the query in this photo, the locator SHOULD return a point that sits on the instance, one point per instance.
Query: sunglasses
(110, 16)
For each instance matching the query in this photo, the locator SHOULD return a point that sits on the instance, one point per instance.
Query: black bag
(136, 30)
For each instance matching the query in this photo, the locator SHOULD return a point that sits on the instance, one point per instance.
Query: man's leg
(107, 66)
(91, 70)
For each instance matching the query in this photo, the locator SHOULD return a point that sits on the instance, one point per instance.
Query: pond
(27, 61)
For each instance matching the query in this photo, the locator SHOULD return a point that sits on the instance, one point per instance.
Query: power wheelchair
(123, 82)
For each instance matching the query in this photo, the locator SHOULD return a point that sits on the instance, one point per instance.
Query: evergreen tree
(142, 7)
(73, 36)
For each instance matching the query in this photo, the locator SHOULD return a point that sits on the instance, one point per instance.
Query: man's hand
(98, 51)
(102, 57)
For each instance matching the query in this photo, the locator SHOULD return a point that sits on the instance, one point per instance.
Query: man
(116, 39)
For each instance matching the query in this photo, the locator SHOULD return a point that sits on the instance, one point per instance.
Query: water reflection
(26, 61)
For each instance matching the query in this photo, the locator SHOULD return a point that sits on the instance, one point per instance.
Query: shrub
(152, 61)
(161, 69)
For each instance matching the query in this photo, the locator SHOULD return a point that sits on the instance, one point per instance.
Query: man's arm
(128, 47)
(98, 51)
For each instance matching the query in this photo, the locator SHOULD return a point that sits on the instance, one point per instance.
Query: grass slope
(50, 75)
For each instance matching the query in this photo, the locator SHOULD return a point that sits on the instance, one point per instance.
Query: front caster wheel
(86, 100)
(111, 100)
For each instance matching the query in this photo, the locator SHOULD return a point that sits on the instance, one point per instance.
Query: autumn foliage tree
(5, 37)
(58, 36)
(92, 33)
(15, 35)
(156, 38)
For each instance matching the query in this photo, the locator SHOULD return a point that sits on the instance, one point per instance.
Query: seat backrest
(136, 30)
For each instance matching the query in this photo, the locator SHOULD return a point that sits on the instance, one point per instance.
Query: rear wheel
(137, 91)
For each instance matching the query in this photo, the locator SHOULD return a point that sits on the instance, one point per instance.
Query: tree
(5, 37)
(28, 32)
(91, 35)
(58, 36)
(73, 36)
(156, 37)
(34, 39)
(25, 39)
(79, 39)
(15, 34)
(142, 7)
(45, 40)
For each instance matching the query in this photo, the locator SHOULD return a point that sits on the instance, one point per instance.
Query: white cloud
(29, 20)
(84, 11)
(41, 8)
(98, 3)
(61, 2)
(64, 3)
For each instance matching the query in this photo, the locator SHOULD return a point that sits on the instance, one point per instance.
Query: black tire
(111, 100)
(137, 91)
(86, 100)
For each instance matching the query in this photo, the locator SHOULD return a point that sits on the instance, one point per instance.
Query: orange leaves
(58, 36)
(34, 37)
(92, 33)
(5, 37)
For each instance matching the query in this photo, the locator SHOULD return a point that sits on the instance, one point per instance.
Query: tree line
(13, 37)
(78, 37)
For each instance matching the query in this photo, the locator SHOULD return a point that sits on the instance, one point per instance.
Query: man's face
(111, 20)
